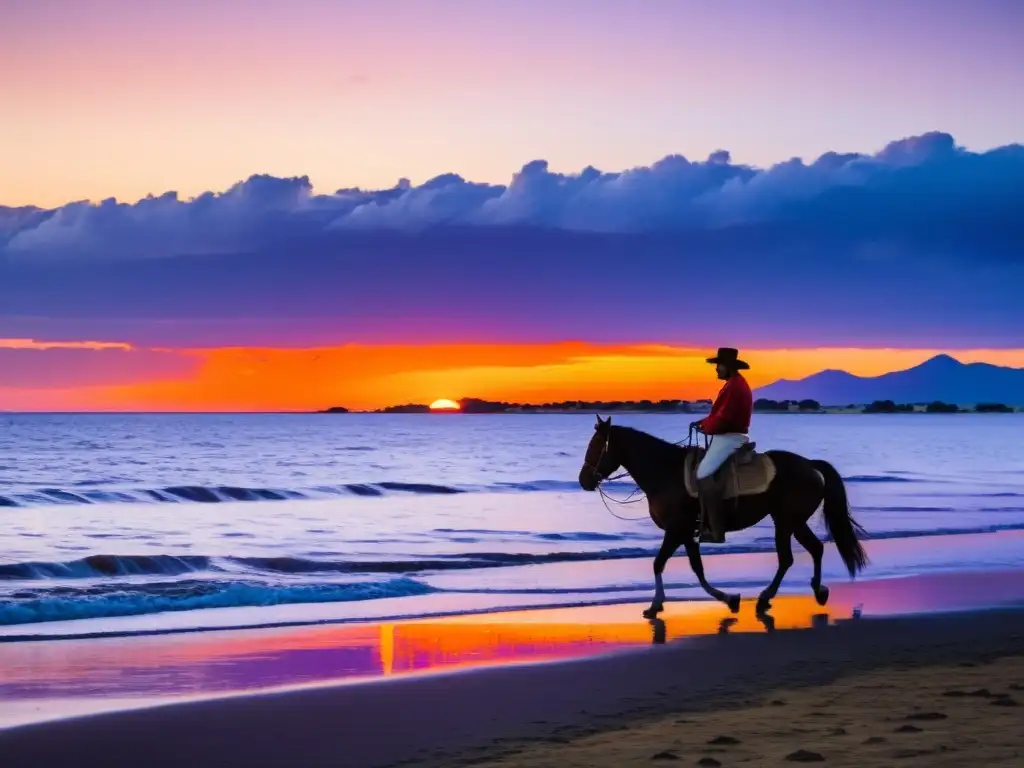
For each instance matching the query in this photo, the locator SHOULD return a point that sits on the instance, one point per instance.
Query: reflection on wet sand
(221, 662)
(161, 668)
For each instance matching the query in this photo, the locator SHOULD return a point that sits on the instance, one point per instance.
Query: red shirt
(732, 409)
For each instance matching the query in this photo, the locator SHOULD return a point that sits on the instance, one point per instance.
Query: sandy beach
(945, 715)
(605, 687)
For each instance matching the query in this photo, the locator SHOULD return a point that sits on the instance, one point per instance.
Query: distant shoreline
(828, 411)
(473, 406)
(823, 412)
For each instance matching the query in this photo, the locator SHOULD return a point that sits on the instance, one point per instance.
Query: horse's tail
(842, 528)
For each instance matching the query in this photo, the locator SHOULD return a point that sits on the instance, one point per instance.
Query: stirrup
(699, 532)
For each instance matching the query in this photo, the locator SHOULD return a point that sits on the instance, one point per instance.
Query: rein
(605, 497)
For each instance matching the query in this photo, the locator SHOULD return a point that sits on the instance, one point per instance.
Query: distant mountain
(940, 378)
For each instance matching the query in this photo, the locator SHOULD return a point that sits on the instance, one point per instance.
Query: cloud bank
(930, 175)
(849, 248)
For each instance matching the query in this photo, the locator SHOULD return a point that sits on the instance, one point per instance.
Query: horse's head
(599, 461)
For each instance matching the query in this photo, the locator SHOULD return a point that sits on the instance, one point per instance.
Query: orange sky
(367, 377)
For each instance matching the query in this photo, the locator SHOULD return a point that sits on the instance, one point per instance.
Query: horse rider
(727, 426)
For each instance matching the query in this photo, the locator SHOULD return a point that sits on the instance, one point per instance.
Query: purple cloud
(673, 193)
(847, 249)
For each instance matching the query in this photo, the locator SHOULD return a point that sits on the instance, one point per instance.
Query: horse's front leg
(693, 552)
(669, 544)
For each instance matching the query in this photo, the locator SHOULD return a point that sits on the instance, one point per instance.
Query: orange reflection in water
(48, 679)
(222, 662)
(45, 679)
(551, 634)
(245, 660)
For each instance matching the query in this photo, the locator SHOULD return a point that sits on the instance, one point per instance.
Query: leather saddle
(745, 473)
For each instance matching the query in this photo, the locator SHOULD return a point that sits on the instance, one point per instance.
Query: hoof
(821, 595)
(653, 611)
(733, 601)
(764, 605)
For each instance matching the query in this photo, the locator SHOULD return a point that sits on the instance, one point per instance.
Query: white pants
(720, 449)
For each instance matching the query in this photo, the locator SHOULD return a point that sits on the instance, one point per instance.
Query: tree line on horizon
(761, 405)
(888, 406)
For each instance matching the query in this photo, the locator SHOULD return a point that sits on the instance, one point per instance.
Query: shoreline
(539, 672)
(489, 711)
(932, 556)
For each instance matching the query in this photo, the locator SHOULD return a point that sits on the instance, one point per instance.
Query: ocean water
(191, 517)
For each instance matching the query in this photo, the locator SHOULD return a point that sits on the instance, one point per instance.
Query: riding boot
(710, 493)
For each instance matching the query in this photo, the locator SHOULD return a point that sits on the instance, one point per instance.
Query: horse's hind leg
(697, 564)
(784, 549)
(811, 543)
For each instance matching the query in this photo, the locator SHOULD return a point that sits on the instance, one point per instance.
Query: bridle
(601, 477)
(595, 469)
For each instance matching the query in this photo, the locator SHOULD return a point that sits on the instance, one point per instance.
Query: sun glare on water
(444, 405)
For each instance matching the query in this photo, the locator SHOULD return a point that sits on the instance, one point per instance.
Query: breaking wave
(114, 599)
(102, 566)
(211, 494)
(215, 494)
(115, 585)
(630, 545)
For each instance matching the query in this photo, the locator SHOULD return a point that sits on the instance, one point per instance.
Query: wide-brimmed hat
(729, 357)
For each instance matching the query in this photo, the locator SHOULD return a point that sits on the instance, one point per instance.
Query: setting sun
(444, 405)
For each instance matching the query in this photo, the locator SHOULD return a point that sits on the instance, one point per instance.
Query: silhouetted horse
(798, 487)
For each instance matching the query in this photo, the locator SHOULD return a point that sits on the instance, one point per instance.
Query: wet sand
(621, 695)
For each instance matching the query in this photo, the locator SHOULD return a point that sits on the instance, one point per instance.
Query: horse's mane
(655, 458)
(647, 440)
(658, 450)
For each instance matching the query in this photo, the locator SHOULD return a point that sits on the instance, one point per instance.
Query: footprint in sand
(721, 741)
(805, 756)
(666, 755)
(926, 716)
(980, 693)
(908, 729)
(708, 762)
(1004, 701)
(875, 740)
(901, 754)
